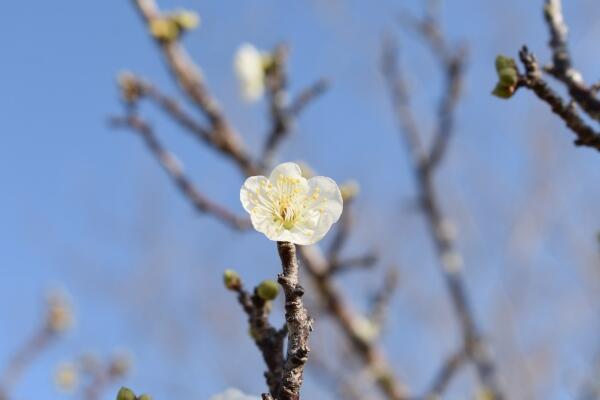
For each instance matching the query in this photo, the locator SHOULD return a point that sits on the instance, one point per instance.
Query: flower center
(287, 214)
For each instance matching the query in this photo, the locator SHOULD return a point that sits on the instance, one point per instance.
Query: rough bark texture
(532, 80)
(298, 322)
(268, 339)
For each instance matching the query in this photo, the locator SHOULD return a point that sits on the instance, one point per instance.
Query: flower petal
(323, 210)
(249, 194)
(288, 169)
(330, 199)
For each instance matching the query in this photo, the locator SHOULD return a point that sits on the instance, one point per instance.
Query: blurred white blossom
(66, 377)
(290, 208)
(250, 69)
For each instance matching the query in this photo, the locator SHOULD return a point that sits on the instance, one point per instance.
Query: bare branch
(452, 62)
(298, 322)
(283, 115)
(22, 359)
(453, 71)
(191, 81)
(442, 379)
(103, 375)
(381, 301)
(401, 102)
(342, 233)
(366, 260)
(369, 352)
(349, 322)
(57, 319)
(448, 255)
(268, 339)
(307, 96)
(586, 136)
(175, 170)
(562, 67)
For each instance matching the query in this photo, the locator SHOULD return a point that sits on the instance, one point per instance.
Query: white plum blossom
(233, 394)
(287, 207)
(250, 70)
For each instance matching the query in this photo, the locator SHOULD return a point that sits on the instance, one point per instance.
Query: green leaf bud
(232, 279)
(268, 290)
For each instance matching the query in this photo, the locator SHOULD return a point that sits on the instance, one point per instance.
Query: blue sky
(86, 208)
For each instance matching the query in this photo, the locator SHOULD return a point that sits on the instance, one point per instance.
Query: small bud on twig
(232, 280)
(349, 190)
(268, 290)
(126, 394)
(508, 76)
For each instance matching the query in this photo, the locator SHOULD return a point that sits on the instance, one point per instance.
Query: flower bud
(121, 364)
(349, 190)
(125, 394)
(269, 63)
(59, 316)
(130, 87)
(268, 290)
(185, 19)
(232, 280)
(164, 29)
(503, 92)
(145, 397)
(66, 377)
(508, 76)
(503, 62)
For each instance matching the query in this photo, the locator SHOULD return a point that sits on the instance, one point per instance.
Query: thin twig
(313, 258)
(268, 339)
(383, 298)
(306, 96)
(348, 320)
(364, 261)
(562, 66)
(175, 170)
(170, 105)
(586, 135)
(22, 359)
(450, 258)
(283, 113)
(443, 377)
(191, 81)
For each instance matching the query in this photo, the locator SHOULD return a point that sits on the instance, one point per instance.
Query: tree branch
(175, 170)
(442, 379)
(348, 321)
(562, 68)
(268, 339)
(298, 322)
(313, 258)
(283, 113)
(532, 80)
(424, 167)
(191, 81)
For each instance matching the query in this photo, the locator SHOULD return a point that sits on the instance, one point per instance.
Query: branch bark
(190, 79)
(424, 164)
(174, 169)
(532, 80)
(298, 322)
(268, 339)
